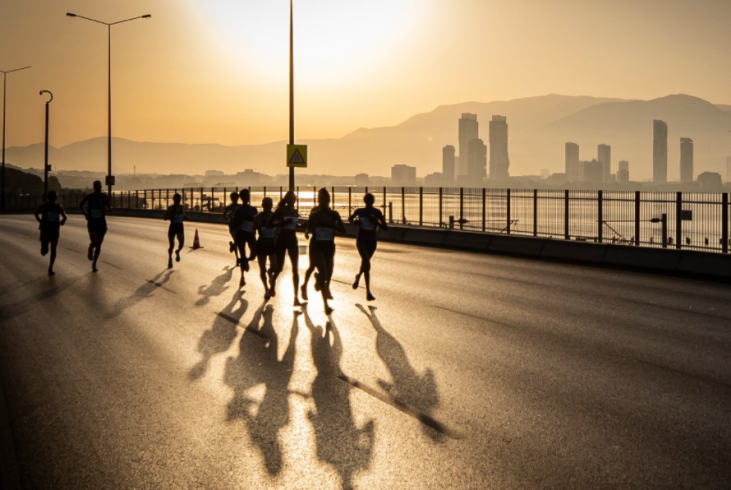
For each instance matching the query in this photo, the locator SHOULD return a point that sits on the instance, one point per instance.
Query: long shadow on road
(142, 293)
(216, 288)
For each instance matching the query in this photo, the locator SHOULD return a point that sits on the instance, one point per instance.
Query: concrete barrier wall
(698, 264)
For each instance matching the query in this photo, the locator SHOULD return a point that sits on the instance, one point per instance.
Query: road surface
(469, 371)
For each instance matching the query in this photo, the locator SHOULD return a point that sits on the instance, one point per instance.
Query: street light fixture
(110, 178)
(2, 173)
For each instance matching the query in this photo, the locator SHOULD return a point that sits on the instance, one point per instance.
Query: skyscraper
(499, 160)
(605, 157)
(593, 171)
(623, 172)
(728, 169)
(403, 175)
(686, 160)
(660, 152)
(448, 163)
(468, 130)
(573, 170)
(477, 160)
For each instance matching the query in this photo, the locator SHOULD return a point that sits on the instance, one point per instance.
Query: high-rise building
(499, 160)
(605, 157)
(573, 168)
(593, 171)
(477, 160)
(686, 160)
(403, 175)
(728, 169)
(623, 172)
(448, 163)
(468, 130)
(660, 152)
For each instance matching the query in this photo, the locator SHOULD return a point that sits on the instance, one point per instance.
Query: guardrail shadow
(222, 333)
(340, 442)
(257, 364)
(408, 388)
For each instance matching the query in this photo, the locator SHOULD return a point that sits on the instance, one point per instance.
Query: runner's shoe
(50, 272)
(170, 262)
(371, 297)
(357, 281)
(177, 256)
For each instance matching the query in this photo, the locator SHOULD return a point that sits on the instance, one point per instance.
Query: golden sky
(215, 71)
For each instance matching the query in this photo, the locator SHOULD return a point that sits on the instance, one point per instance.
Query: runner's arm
(63, 215)
(38, 212)
(167, 214)
(82, 205)
(352, 217)
(274, 221)
(382, 222)
(339, 225)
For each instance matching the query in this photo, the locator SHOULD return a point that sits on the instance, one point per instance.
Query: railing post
(403, 205)
(333, 188)
(384, 199)
(440, 207)
(664, 222)
(508, 211)
(484, 210)
(421, 206)
(600, 215)
(350, 201)
(461, 206)
(535, 212)
(678, 221)
(137, 199)
(637, 218)
(280, 193)
(724, 224)
(167, 197)
(265, 192)
(566, 216)
(297, 200)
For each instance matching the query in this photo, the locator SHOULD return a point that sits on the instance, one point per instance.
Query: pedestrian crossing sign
(297, 156)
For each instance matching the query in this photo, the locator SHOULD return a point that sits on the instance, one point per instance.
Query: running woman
(51, 217)
(95, 206)
(286, 218)
(266, 246)
(175, 214)
(370, 219)
(311, 267)
(244, 224)
(228, 214)
(323, 224)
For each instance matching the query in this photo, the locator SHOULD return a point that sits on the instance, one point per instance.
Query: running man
(244, 223)
(323, 224)
(286, 218)
(51, 217)
(175, 214)
(266, 246)
(96, 221)
(311, 267)
(370, 219)
(228, 214)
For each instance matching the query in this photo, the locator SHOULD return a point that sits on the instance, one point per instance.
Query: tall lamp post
(2, 173)
(46, 167)
(110, 178)
(291, 87)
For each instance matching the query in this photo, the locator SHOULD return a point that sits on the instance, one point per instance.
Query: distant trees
(19, 182)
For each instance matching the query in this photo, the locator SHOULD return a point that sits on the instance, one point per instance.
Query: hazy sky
(215, 71)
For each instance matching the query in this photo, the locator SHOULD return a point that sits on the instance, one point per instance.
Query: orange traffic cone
(196, 241)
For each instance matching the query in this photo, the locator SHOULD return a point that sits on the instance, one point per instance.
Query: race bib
(52, 217)
(367, 224)
(178, 218)
(290, 223)
(97, 213)
(268, 232)
(246, 226)
(324, 234)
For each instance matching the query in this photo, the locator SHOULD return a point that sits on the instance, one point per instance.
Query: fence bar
(350, 201)
(508, 212)
(484, 210)
(440, 207)
(421, 206)
(600, 215)
(461, 207)
(678, 221)
(403, 205)
(535, 212)
(637, 218)
(384, 199)
(724, 223)
(566, 215)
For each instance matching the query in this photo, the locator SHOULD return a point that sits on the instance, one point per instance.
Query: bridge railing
(687, 221)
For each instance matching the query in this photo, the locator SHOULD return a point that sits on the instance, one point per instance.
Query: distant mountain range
(538, 130)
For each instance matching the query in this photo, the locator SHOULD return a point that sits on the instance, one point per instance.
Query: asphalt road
(469, 371)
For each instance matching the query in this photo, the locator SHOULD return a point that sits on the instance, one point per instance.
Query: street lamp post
(110, 178)
(46, 167)
(2, 173)
(291, 87)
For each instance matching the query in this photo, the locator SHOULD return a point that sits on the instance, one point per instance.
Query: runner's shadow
(340, 442)
(407, 386)
(257, 366)
(216, 288)
(221, 334)
(142, 293)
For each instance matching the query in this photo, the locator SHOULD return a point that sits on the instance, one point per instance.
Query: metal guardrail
(687, 221)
